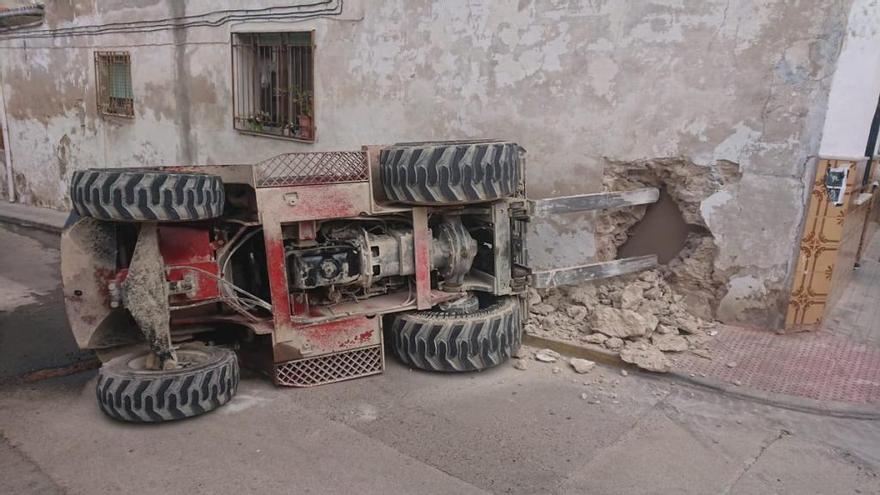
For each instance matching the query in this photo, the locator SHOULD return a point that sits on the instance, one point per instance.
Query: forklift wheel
(205, 379)
(448, 341)
(141, 195)
(445, 173)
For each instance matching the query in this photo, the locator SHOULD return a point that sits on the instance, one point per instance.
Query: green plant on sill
(255, 121)
(303, 99)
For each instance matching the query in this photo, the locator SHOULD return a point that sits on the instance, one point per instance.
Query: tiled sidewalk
(839, 363)
(819, 365)
(857, 314)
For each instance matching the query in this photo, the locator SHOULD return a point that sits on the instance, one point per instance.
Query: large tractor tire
(141, 195)
(449, 341)
(205, 379)
(445, 173)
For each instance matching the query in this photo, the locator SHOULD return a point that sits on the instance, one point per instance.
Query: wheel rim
(186, 359)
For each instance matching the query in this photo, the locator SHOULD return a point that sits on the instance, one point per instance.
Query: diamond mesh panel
(323, 167)
(331, 368)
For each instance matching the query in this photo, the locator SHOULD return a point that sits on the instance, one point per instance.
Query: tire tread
(446, 173)
(438, 341)
(134, 195)
(166, 397)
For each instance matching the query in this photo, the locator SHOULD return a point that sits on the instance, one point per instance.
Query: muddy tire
(129, 392)
(444, 173)
(440, 341)
(140, 195)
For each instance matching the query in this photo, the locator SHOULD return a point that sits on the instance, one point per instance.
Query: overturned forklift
(294, 266)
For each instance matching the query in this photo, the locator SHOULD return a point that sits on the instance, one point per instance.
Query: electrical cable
(288, 13)
(236, 242)
(252, 298)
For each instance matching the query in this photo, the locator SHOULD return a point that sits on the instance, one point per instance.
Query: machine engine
(369, 256)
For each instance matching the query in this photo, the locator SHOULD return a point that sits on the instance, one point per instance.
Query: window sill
(114, 117)
(275, 136)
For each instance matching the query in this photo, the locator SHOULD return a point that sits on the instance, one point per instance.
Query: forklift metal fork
(544, 279)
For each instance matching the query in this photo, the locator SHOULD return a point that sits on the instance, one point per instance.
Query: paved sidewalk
(857, 314)
(32, 216)
(818, 365)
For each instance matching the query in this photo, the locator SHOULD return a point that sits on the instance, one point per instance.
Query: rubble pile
(638, 316)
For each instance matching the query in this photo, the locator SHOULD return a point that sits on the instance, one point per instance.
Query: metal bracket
(187, 287)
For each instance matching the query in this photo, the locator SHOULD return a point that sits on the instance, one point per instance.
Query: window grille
(113, 74)
(273, 84)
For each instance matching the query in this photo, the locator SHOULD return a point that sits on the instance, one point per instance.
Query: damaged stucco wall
(580, 84)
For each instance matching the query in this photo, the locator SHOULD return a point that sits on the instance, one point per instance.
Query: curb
(583, 351)
(793, 403)
(52, 229)
(44, 219)
(834, 409)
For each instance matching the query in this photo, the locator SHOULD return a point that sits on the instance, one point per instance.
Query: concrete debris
(624, 373)
(616, 311)
(585, 295)
(688, 324)
(698, 341)
(577, 312)
(542, 309)
(645, 356)
(584, 395)
(557, 370)
(703, 353)
(581, 365)
(630, 297)
(595, 338)
(666, 330)
(547, 356)
(731, 364)
(614, 343)
(620, 323)
(534, 297)
(669, 342)
(521, 364)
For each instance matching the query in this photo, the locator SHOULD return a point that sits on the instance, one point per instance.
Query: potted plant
(303, 100)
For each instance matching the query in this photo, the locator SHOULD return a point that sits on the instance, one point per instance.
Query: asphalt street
(539, 430)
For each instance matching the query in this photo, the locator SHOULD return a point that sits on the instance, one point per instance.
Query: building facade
(723, 104)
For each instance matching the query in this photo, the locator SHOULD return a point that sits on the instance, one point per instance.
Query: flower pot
(306, 131)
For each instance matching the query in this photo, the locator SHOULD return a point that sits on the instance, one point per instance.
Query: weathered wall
(578, 83)
(855, 87)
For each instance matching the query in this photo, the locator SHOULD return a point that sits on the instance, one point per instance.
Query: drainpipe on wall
(7, 148)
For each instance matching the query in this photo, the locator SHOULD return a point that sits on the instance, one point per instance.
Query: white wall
(856, 84)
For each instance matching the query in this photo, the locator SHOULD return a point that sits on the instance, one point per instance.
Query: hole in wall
(662, 231)
(673, 228)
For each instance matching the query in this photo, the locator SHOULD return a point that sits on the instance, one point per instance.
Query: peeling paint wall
(578, 83)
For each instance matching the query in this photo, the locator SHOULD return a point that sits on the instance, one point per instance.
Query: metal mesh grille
(331, 368)
(113, 70)
(323, 167)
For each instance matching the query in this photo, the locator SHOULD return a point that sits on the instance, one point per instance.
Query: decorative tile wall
(820, 248)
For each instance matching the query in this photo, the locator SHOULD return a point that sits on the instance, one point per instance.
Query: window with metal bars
(113, 77)
(273, 84)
